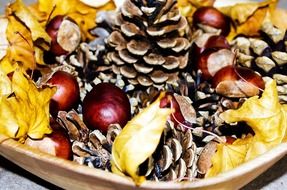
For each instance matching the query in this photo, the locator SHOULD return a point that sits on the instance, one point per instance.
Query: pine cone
(176, 156)
(90, 148)
(149, 43)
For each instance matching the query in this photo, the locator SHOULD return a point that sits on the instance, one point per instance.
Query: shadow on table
(9, 166)
(276, 171)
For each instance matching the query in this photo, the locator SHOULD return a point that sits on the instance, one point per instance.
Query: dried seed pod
(204, 160)
(72, 122)
(96, 152)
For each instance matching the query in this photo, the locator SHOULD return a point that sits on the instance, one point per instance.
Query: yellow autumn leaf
(5, 83)
(268, 119)
(277, 20)
(83, 14)
(25, 112)
(247, 16)
(138, 140)
(21, 50)
(229, 156)
(38, 33)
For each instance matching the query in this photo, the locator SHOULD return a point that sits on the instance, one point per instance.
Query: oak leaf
(268, 119)
(138, 140)
(25, 112)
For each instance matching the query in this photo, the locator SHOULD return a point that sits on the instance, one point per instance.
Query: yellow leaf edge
(123, 162)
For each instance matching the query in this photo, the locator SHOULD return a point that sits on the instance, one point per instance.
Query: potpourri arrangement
(160, 90)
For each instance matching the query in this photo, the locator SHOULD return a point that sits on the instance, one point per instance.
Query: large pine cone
(149, 43)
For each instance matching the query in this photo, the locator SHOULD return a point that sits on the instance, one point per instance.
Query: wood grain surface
(70, 175)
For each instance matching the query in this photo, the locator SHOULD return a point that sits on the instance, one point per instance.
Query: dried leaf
(247, 16)
(138, 140)
(83, 14)
(268, 119)
(38, 33)
(277, 20)
(27, 37)
(20, 49)
(5, 84)
(25, 112)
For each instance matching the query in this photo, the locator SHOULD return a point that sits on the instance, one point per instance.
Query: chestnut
(210, 16)
(106, 104)
(209, 41)
(234, 81)
(169, 101)
(57, 143)
(67, 94)
(212, 60)
(65, 35)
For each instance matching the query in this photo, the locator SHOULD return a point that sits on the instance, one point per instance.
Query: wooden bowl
(70, 175)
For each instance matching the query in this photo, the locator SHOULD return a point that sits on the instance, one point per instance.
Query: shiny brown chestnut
(212, 60)
(169, 101)
(106, 104)
(65, 35)
(210, 16)
(207, 41)
(67, 94)
(233, 81)
(57, 143)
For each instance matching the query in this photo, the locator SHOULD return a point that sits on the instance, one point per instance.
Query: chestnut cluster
(216, 61)
(105, 104)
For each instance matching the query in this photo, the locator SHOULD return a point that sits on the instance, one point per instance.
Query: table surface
(13, 177)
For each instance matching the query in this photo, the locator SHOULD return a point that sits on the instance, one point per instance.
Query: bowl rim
(8, 144)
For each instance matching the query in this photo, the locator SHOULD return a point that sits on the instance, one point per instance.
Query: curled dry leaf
(25, 112)
(20, 49)
(138, 140)
(38, 33)
(247, 16)
(83, 14)
(27, 38)
(268, 119)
